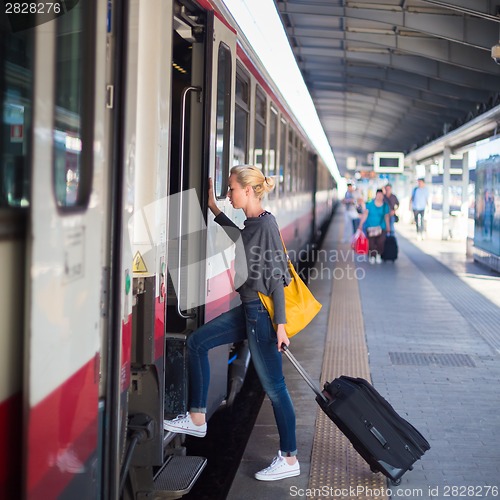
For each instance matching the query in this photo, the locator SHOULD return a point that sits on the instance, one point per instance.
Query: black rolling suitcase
(387, 442)
(390, 248)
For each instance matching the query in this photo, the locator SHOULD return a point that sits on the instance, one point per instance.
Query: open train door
(203, 80)
(220, 249)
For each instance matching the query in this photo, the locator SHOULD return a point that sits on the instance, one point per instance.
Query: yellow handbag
(300, 305)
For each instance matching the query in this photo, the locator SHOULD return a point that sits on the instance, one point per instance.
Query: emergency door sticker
(74, 254)
(139, 264)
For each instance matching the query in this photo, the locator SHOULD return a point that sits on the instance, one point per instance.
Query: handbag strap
(284, 247)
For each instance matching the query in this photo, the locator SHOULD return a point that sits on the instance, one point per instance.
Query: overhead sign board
(388, 162)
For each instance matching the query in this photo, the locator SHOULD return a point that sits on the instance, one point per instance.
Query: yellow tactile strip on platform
(337, 470)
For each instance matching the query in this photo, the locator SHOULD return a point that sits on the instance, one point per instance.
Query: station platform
(425, 330)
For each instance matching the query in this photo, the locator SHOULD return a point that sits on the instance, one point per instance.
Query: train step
(177, 476)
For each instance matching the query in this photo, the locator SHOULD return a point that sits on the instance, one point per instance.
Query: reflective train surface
(114, 116)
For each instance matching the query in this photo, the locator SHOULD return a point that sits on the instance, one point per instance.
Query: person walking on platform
(376, 220)
(351, 215)
(418, 203)
(260, 266)
(392, 200)
(488, 213)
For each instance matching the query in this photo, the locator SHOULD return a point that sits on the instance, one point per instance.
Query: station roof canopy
(394, 75)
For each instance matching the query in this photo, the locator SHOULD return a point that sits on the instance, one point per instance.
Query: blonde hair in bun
(249, 175)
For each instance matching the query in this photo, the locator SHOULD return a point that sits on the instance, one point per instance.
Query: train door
(138, 78)
(219, 286)
(168, 73)
(203, 82)
(63, 264)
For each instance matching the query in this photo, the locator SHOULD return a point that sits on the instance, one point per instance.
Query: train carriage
(115, 114)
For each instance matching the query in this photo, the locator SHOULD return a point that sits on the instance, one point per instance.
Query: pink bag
(359, 243)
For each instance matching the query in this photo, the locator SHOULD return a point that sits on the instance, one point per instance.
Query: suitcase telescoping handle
(303, 373)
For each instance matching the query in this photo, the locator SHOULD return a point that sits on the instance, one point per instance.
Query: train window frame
(221, 174)
(291, 161)
(80, 141)
(302, 168)
(15, 182)
(272, 163)
(298, 168)
(242, 109)
(260, 120)
(311, 167)
(296, 161)
(282, 163)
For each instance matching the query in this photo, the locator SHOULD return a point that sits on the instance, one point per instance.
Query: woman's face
(379, 197)
(236, 193)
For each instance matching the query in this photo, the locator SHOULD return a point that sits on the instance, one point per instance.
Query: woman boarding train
(256, 273)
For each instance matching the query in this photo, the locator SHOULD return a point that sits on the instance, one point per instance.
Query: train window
(311, 170)
(16, 97)
(260, 130)
(301, 167)
(241, 118)
(298, 167)
(291, 162)
(282, 159)
(273, 149)
(73, 108)
(223, 121)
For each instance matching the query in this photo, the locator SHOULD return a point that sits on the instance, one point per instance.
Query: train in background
(114, 116)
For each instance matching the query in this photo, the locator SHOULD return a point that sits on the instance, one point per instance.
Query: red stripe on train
(10, 446)
(222, 281)
(65, 421)
(126, 354)
(208, 6)
(159, 328)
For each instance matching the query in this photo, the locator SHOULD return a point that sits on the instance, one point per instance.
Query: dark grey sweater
(261, 263)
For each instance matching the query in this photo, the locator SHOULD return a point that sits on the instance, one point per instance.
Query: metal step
(177, 476)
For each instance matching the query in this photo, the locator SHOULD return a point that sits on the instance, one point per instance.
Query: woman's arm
(282, 336)
(212, 204)
(280, 314)
(362, 219)
(230, 228)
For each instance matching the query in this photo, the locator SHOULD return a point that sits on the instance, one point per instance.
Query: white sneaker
(279, 469)
(184, 425)
(372, 260)
(378, 259)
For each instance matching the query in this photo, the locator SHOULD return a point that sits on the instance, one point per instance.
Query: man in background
(418, 203)
(350, 213)
(392, 200)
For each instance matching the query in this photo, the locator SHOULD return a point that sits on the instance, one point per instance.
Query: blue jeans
(391, 224)
(251, 321)
(419, 220)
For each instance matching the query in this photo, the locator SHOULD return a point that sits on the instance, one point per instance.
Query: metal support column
(464, 208)
(465, 184)
(445, 234)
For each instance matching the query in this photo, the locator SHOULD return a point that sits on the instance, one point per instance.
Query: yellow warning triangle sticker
(139, 264)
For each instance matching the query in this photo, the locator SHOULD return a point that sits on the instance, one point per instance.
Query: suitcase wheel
(396, 482)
